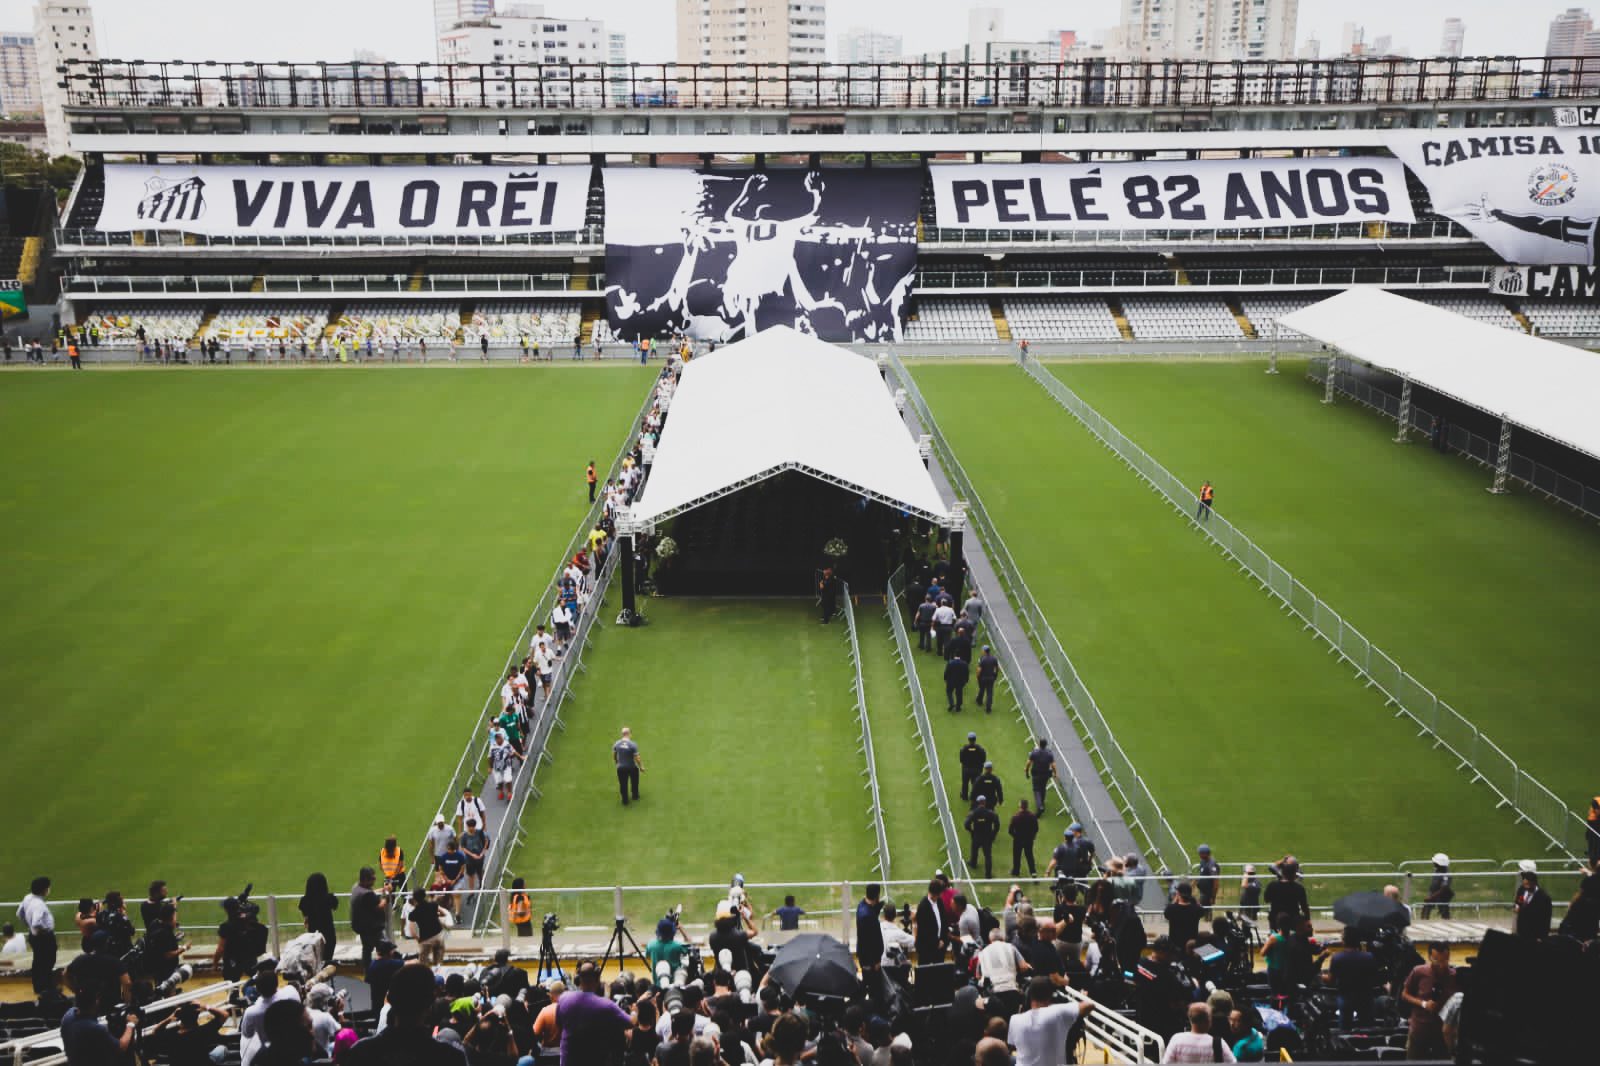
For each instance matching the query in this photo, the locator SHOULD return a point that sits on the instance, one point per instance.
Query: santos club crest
(1552, 184)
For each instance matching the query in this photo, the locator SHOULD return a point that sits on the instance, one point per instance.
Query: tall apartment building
(1567, 31)
(62, 30)
(448, 13)
(859, 45)
(523, 34)
(19, 74)
(752, 31)
(1217, 30)
(1454, 40)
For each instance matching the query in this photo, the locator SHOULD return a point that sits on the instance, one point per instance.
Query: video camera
(242, 906)
(550, 924)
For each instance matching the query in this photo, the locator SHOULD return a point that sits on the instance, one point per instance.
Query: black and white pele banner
(1199, 194)
(723, 255)
(226, 201)
(1531, 194)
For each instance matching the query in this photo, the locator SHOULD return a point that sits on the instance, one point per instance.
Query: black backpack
(987, 923)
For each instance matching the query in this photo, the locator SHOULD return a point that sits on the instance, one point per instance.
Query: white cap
(1441, 859)
(1528, 866)
(725, 959)
(437, 817)
(901, 1040)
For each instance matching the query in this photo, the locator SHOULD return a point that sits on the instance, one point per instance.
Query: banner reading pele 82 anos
(1532, 194)
(1190, 194)
(255, 201)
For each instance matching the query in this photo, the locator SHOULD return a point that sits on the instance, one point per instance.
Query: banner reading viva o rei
(1173, 195)
(226, 201)
(1531, 194)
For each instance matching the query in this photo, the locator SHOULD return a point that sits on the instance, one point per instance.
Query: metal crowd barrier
(1513, 786)
(871, 771)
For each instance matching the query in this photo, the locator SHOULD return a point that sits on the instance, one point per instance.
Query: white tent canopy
(1540, 385)
(783, 401)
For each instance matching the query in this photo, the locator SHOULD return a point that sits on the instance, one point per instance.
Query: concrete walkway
(1106, 825)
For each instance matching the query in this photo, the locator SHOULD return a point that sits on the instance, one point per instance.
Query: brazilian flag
(13, 304)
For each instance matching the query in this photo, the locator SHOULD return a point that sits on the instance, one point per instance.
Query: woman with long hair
(318, 905)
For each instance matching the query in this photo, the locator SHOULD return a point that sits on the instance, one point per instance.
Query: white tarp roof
(1550, 388)
(778, 401)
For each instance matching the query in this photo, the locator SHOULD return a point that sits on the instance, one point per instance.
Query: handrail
(1119, 1035)
(867, 752)
(477, 744)
(1351, 233)
(1139, 806)
(930, 750)
(927, 84)
(16, 1049)
(146, 285)
(1126, 279)
(1450, 730)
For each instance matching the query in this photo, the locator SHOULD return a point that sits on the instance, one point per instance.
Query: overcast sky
(402, 29)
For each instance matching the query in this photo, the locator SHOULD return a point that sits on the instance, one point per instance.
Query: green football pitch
(1251, 736)
(251, 615)
(746, 723)
(1486, 599)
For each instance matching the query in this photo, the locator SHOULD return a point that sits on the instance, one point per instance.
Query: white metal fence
(1137, 803)
(881, 845)
(1535, 475)
(1475, 752)
(894, 592)
(468, 766)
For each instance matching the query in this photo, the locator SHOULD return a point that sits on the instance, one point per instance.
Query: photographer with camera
(89, 1042)
(97, 968)
(112, 920)
(241, 939)
(666, 947)
(163, 944)
(185, 1039)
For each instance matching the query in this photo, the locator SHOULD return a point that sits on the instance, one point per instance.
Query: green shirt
(508, 722)
(672, 951)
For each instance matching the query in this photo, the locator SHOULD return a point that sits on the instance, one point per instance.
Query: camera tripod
(615, 948)
(549, 964)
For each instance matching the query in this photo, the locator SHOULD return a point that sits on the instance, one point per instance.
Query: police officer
(989, 785)
(972, 762)
(988, 674)
(984, 825)
(1206, 883)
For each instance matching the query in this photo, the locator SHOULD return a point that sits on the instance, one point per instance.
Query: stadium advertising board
(1547, 282)
(1532, 195)
(227, 201)
(722, 255)
(1181, 195)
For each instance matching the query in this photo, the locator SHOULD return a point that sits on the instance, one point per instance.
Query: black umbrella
(1371, 911)
(817, 964)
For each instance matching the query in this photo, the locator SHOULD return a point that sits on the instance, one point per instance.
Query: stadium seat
(1181, 318)
(952, 319)
(1478, 308)
(1263, 311)
(1557, 319)
(119, 327)
(434, 322)
(547, 323)
(252, 322)
(1061, 318)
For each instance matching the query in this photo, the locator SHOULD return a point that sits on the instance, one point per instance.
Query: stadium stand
(119, 327)
(1563, 319)
(962, 319)
(1481, 308)
(1167, 317)
(1263, 311)
(252, 323)
(548, 323)
(433, 322)
(1062, 318)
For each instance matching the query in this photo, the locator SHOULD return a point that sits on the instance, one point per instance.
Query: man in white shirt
(894, 937)
(1039, 1033)
(470, 807)
(252, 1034)
(561, 621)
(545, 664)
(1000, 963)
(1198, 1045)
(14, 943)
(944, 620)
(41, 926)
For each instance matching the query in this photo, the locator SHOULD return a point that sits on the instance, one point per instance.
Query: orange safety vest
(1594, 810)
(1205, 493)
(589, 475)
(392, 865)
(521, 910)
